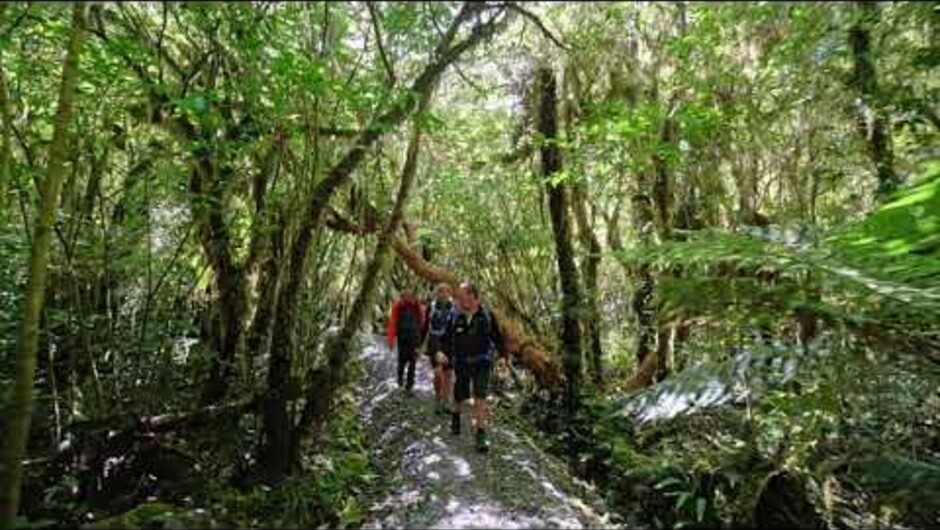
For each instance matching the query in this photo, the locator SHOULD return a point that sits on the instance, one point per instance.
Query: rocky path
(431, 479)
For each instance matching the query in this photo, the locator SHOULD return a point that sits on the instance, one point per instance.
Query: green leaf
(667, 482)
(684, 497)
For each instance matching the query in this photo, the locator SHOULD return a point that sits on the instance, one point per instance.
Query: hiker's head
(443, 292)
(407, 295)
(468, 297)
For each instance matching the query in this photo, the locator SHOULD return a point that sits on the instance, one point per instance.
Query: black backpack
(487, 326)
(409, 327)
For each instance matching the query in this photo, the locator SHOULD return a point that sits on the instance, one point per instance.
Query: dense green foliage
(757, 303)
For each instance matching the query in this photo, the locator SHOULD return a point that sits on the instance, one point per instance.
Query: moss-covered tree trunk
(6, 114)
(590, 245)
(561, 230)
(259, 333)
(19, 413)
(872, 120)
(663, 199)
(589, 267)
(643, 308)
(215, 239)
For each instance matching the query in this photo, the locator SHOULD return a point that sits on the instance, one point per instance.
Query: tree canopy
(709, 231)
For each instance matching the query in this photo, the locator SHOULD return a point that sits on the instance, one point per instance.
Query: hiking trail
(429, 478)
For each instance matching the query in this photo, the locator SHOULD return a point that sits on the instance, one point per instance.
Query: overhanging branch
(378, 40)
(538, 23)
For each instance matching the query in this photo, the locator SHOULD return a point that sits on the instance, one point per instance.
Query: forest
(709, 234)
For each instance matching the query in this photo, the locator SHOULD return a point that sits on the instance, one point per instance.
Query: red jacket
(397, 308)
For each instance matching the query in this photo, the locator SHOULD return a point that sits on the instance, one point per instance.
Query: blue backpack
(440, 315)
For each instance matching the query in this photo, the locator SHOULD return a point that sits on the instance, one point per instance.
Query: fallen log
(542, 363)
(117, 429)
(643, 374)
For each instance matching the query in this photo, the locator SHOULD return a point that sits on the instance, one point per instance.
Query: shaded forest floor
(429, 478)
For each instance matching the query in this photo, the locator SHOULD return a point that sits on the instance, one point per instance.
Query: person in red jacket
(406, 327)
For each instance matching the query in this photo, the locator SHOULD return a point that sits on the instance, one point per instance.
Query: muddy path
(429, 478)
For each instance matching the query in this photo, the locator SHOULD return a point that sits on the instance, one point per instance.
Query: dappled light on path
(432, 479)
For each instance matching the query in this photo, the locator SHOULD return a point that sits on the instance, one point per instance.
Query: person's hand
(440, 358)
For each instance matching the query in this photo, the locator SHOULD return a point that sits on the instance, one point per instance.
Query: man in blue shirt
(438, 314)
(470, 340)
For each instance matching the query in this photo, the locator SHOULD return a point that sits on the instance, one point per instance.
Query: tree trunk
(590, 245)
(266, 250)
(662, 197)
(665, 350)
(683, 333)
(561, 229)
(6, 113)
(643, 309)
(872, 120)
(662, 188)
(208, 210)
(689, 218)
(19, 413)
(258, 340)
(589, 266)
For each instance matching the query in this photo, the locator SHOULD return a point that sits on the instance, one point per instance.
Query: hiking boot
(455, 423)
(483, 442)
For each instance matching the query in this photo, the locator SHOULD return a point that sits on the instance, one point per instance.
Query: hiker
(470, 340)
(406, 325)
(436, 323)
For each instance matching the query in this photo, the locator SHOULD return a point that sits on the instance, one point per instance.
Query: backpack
(487, 325)
(408, 327)
(440, 313)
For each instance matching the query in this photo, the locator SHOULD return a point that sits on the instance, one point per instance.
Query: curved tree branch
(373, 15)
(538, 23)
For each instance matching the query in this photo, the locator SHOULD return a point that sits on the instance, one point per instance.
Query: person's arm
(392, 325)
(425, 318)
(447, 339)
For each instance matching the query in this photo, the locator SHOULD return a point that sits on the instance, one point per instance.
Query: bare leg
(481, 416)
(455, 417)
(439, 383)
(447, 388)
(481, 412)
(471, 407)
